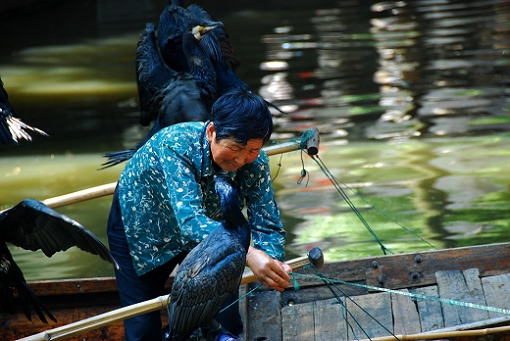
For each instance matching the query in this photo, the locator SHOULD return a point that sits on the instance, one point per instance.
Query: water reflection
(410, 99)
(440, 73)
(441, 70)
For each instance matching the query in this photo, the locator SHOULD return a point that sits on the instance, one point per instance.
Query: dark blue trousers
(135, 289)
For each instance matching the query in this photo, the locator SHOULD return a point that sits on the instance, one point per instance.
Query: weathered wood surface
(476, 275)
(431, 315)
(497, 292)
(376, 315)
(328, 317)
(406, 319)
(464, 286)
(402, 270)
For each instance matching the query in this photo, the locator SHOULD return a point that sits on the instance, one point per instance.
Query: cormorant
(173, 21)
(216, 45)
(32, 225)
(183, 73)
(212, 270)
(155, 77)
(219, 50)
(12, 129)
(168, 96)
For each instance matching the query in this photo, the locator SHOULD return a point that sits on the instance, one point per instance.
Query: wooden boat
(449, 279)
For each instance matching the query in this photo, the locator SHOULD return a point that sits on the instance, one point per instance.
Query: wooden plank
(298, 322)
(371, 312)
(462, 286)
(264, 316)
(414, 269)
(431, 316)
(405, 314)
(329, 320)
(318, 293)
(74, 286)
(418, 269)
(497, 292)
(13, 327)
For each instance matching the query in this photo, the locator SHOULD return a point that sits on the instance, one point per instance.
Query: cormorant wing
(207, 276)
(12, 280)
(32, 225)
(12, 128)
(152, 75)
(173, 22)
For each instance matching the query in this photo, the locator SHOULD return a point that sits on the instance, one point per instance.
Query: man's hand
(271, 272)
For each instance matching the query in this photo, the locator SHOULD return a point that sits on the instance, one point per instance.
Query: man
(165, 204)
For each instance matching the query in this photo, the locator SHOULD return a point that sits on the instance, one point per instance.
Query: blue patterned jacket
(168, 202)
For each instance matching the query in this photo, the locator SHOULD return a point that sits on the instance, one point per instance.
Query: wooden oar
(108, 189)
(159, 303)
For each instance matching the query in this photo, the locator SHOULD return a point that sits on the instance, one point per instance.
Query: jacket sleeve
(268, 233)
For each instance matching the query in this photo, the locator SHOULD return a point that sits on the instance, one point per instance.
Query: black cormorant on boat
(12, 129)
(34, 226)
(212, 270)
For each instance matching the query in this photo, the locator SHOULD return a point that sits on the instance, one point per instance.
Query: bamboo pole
(159, 303)
(108, 189)
(442, 335)
(79, 196)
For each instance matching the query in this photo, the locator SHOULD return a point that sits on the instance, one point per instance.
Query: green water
(412, 118)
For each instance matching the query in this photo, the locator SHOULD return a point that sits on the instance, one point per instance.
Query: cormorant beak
(200, 31)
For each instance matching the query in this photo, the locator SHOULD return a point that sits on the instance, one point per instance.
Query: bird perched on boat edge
(12, 129)
(170, 96)
(211, 271)
(34, 226)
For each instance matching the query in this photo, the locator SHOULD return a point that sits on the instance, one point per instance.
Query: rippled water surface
(411, 100)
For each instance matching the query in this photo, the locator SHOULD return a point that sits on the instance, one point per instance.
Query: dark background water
(411, 100)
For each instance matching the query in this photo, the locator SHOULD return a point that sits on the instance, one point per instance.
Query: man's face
(230, 155)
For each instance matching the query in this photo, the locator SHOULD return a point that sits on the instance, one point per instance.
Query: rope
(413, 295)
(380, 211)
(240, 298)
(344, 307)
(307, 135)
(339, 189)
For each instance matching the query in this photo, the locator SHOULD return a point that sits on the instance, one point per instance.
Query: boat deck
(476, 275)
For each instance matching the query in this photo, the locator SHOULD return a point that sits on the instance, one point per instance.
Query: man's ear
(210, 132)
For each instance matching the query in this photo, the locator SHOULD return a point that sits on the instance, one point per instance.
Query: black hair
(243, 116)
